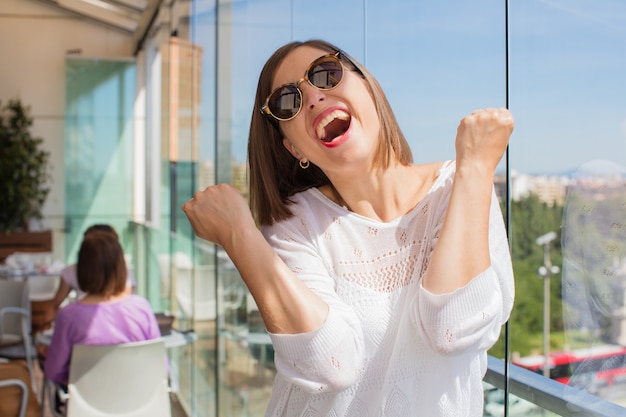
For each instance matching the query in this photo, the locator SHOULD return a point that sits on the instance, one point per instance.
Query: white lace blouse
(388, 347)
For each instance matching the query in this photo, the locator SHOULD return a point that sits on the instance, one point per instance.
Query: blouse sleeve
(330, 357)
(471, 317)
(59, 352)
(153, 331)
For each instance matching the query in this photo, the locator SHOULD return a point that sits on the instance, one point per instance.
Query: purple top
(128, 320)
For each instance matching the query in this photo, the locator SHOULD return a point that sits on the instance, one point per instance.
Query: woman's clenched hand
(482, 137)
(217, 213)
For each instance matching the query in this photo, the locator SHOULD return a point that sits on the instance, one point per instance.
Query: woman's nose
(311, 96)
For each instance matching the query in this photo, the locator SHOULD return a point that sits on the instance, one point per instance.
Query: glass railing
(532, 394)
(227, 371)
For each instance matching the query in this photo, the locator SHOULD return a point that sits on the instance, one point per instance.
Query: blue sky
(438, 61)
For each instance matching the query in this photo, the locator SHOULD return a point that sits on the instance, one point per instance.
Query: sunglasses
(325, 73)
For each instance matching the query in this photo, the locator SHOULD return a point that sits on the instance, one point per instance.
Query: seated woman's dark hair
(101, 268)
(103, 227)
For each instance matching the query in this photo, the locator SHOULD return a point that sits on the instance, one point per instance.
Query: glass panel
(194, 292)
(517, 407)
(569, 189)
(157, 189)
(98, 148)
(438, 71)
(448, 69)
(437, 62)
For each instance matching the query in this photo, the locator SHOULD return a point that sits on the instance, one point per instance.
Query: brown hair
(100, 227)
(101, 268)
(275, 174)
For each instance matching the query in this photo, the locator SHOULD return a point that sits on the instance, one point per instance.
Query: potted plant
(24, 173)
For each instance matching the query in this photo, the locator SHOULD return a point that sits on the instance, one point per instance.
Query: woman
(69, 281)
(382, 283)
(107, 315)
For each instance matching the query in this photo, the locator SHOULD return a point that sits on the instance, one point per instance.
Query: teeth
(337, 114)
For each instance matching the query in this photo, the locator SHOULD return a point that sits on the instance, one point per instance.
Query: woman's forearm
(285, 303)
(462, 250)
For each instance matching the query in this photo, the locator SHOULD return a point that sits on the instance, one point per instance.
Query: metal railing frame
(548, 394)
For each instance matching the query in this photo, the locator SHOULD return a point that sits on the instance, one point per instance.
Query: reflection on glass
(594, 278)
(98, 146)
(567, 178)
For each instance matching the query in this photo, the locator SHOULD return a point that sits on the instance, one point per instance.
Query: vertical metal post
(544, 271)
(546, 310)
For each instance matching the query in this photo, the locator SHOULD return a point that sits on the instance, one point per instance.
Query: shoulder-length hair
(275, 174)
(103, 227)
(101, 268)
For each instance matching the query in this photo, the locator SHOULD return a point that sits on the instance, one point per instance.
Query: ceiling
(132, 16)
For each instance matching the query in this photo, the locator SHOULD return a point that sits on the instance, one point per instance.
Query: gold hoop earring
(304, 163)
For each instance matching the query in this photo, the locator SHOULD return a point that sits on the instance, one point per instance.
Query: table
(25, 264)
(178, 339)
(260, 343)
(42, 288)
(40, 269)
(174, 340)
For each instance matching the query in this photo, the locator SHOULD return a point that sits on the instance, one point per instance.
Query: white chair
(43, 287)
(195, 292)
(128, 380)
(15, 324)
(166, 265)
(22, 386)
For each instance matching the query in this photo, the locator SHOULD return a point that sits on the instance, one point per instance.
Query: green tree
(531, 218)
(23, 169)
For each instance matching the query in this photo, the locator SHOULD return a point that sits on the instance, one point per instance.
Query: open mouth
(334, 125)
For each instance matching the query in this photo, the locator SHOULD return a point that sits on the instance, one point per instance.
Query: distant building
(239, 179)
(550, 189)
(206, 175)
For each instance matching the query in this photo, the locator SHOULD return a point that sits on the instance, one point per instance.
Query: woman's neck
(102, 298)
(385, 196)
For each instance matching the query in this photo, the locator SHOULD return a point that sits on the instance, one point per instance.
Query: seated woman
(44, 312)
(69, 280)
(107, 315)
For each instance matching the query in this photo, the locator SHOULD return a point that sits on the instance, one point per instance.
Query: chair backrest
(195, 292)
(14, 295)
(166, 264)
(127, 380)
(17, 397)
(23, 399)
(43, 287)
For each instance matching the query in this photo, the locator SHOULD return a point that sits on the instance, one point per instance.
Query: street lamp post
(545, 271)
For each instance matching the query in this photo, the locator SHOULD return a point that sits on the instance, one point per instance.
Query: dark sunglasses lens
(326, 73)
(284, 103)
